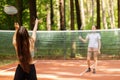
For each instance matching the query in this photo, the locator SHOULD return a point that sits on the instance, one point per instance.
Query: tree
(79, 22)
(118, 13)
(57, 13)
(33, 15)
(88, 11)
(103, 14)
(111, 14)
(98, 14)
(62, 14)
(72, 14)
(51, 12)
(19, 5)
(72, 55)
(48, 18)
(61, 18)
(93, 12)
(82, 14)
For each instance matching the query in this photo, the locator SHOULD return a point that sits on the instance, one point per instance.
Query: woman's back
(24, 46)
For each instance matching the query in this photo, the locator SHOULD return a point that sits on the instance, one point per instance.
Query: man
(94, 45)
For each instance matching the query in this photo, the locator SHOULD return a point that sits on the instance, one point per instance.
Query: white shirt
(93, 39)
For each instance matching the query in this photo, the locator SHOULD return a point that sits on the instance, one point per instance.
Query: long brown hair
(23, 48)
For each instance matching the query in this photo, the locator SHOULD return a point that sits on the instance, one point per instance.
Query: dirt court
(67, 70)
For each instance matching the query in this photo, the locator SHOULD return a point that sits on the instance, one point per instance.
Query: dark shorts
(92, 49)
(21, 75)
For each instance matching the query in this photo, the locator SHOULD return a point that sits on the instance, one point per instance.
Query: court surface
(67, 70)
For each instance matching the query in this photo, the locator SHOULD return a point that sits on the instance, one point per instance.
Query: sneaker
(94, 71)
(88, 70)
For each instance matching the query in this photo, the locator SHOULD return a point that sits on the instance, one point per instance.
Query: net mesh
(65, 44)
(6, 47)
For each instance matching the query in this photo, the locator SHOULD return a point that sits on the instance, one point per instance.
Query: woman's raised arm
(35, 29)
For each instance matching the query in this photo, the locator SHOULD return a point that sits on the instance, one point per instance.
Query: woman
(94, 45)
(24, 46)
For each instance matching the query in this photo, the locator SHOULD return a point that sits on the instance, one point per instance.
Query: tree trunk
(98, 14)
(72, 14)
(19, 5)
(112, 19)
(48, 18)
(118, 13)
(82, 14)
(104, 15)
(93, 12)
(79, 22)
(72, 55)
(89, 10)
(73, 47)
(33, 15)
(51, 12)
(62, 14)
(58, 14)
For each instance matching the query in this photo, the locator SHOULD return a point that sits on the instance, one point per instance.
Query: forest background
(62, 14)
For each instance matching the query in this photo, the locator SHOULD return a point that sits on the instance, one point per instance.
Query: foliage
(6, 21)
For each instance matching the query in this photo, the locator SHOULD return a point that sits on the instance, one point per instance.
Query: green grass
(6, 61)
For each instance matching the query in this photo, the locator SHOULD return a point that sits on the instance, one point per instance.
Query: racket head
(10, 10)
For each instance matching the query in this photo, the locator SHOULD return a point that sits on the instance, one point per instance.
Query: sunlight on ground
(53, 77)
(110, 70)
(67, 73)
(47, 76)
(8, 73)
